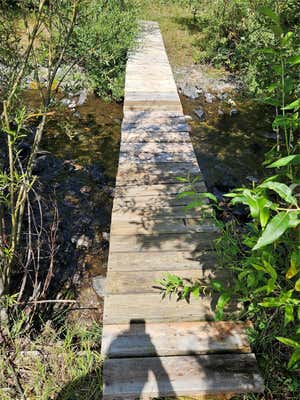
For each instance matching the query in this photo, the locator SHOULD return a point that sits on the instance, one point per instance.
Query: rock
(231, 102)
(200, 114)
(220, 112)
(99, 283)
(83, 242)
(83, 94)
(43, 163)
(77, 114)
(270, 135)
(66, 102)
(222, 96)
(85, 189)
(106, 236)
(233, 112)
(188, 118)
(191, 92)
(209, 98)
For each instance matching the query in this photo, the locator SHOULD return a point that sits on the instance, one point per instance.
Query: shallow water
(230, 149)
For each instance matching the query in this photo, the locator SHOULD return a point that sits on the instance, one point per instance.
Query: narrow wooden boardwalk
(155, 347)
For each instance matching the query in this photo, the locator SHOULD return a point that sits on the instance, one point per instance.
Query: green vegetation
(264, 254)
(42, 360)
(42, 44)
(62, 364)
(104, 33)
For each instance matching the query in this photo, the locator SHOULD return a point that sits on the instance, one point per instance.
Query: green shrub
(235, 30)
(104, 34)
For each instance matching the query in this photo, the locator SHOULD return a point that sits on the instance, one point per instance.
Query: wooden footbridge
(155, 347)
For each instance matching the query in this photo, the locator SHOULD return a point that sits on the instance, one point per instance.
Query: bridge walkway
(158, 347)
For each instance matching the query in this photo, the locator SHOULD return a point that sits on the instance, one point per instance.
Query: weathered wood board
(181, 376)
(183, 338)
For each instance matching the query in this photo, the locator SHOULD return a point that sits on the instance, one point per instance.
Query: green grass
(179, 33)
(60, 364)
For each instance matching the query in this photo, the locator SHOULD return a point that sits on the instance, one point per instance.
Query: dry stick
(46, 301)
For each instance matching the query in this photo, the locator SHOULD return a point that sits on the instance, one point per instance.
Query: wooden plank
(180, 376)
(162, 261)
(154, 116)
(146, 226)
(137, 202)
(147, 281)
(160, 189)
(179, 169)
(183, 338)
(154, 148)
(152, 126)
(136, 136)
(127, 214)
(140, 158)
(122, 308)
(163, 242)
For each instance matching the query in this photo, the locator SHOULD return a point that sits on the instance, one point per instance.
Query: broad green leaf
(288, 314)
(294, 265)
(196, 292)
(288, 342)
(271, 14)
(294, 219)
(194, 204)
(287, 38)
(297, 285)
(282, 162)
(267, 50)
(294, 60)
(216, 285)
(209, 196)
(282, 190)
(182, 179)
(295, 357)
(295, 105)
(186, 194)
(264, 210)
(275, 228)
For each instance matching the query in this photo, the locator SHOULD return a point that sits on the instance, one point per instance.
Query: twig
(46, 301)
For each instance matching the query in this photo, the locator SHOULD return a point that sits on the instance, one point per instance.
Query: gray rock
(66, 102)
(200, 114)
(190, 91)
(220, 111)
(233, 112)
(222, 96)
(98, 283)
(83, 94)
(209, 98)
(270, 135)
(106, 236)
(83, 242)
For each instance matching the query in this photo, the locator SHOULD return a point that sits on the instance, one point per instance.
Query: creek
(77, 167)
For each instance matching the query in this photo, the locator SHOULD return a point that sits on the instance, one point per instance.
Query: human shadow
(132, 368)
(145, 372)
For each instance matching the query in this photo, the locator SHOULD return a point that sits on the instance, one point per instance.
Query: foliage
(104, 34)
(234, 31)
(58, 364)
(264, 254)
